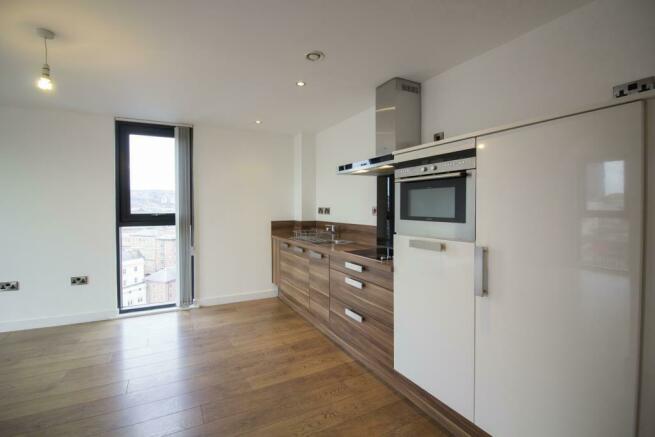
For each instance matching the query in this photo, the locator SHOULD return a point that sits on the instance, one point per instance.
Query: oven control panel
(435, 168)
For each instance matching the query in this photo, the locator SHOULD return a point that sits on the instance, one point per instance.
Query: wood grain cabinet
(294, 273)
(319, 285)
(361, 306)
(350, 296)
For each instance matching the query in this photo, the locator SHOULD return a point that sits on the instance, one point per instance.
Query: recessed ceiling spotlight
(45, 83)
(315, 55)
(300, 83)
(258, 122)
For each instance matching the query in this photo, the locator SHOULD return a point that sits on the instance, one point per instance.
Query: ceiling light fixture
(258, 122)
(300, 83)
(315, 55)
(45, 82)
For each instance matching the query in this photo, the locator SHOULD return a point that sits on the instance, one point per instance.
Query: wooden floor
(251, 368)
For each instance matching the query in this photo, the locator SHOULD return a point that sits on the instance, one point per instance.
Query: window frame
(124, 216)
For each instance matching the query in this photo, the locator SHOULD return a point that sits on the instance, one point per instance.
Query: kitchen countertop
(340, 249)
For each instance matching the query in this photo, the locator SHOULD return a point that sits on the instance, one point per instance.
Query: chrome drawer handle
(298, 249)
(285, 245)
(315, 254)
(427, 245)
(354, 283)
(353, 315)
(354, 267)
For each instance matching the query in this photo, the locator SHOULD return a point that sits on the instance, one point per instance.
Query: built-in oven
(435, 195)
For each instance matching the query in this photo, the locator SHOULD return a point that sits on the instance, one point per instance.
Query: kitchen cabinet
(294, 273)
(303, 275)
(434, 318)
(319, 285)
(364, 333)
(352, 297)
(365, 269)
(560, 211)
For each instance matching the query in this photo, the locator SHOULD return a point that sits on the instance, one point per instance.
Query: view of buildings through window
(148, 266)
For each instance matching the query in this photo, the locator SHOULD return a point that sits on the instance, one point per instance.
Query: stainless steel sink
(317, 237)
(338, 242)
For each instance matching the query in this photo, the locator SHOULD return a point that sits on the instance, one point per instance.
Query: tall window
(146, 235)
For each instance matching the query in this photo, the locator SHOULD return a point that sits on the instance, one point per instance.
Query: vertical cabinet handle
(354, 283)
(354, 267)
(481, 272)
(315, 255)
(353, 315)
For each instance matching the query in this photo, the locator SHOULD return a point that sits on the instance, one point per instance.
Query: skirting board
(239, 297)
(46, 322)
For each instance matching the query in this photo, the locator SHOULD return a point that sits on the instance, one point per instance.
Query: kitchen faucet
(332, 229)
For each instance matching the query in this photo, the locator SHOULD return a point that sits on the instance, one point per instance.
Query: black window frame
(125, 217)
(458, 182)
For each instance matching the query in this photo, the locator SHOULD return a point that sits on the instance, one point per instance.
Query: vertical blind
(184, 219)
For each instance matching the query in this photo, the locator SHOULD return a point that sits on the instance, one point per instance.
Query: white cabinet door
(434, 318)
(560, 210)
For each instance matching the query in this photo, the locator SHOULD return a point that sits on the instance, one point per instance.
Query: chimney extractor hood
(397, 126)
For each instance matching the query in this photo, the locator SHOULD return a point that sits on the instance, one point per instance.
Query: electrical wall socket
(9, 286)
(79, 280)
(637, 86)
(327, 211)
(438, 136)
(324, 210)
(374, 210)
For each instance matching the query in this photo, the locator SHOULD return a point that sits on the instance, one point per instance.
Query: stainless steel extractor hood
(397, 126)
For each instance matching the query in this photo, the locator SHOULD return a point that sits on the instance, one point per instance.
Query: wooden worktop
(363, 237)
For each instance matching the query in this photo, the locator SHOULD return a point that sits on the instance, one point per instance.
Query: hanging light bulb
(45, 82)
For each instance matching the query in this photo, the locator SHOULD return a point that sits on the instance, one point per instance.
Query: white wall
(57, 185)
(57, 217)
(568, 63)
(304, 145)
(350, 198)
(242, 181)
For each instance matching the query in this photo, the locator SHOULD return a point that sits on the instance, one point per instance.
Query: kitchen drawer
(319, 305)
(367, 270)
(301, 297)
(370, 299)
(299, 251)
(294, 269)
(367, 335)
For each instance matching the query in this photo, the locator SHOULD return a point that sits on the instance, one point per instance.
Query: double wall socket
(79, 280)
(324, 210)
(637, 86)
(9, 286)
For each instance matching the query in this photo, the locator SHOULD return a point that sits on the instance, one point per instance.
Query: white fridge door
(434, 318)
(557, 337)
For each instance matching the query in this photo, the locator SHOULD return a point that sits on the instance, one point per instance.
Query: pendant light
(45, 82)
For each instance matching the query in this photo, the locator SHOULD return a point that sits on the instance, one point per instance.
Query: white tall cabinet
(560, 209)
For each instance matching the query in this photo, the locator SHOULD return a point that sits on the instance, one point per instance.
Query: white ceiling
(230, 62)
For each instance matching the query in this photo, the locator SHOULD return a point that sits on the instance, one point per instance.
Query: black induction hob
(376, 253)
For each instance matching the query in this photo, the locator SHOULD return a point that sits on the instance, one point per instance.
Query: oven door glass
(434, 200)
